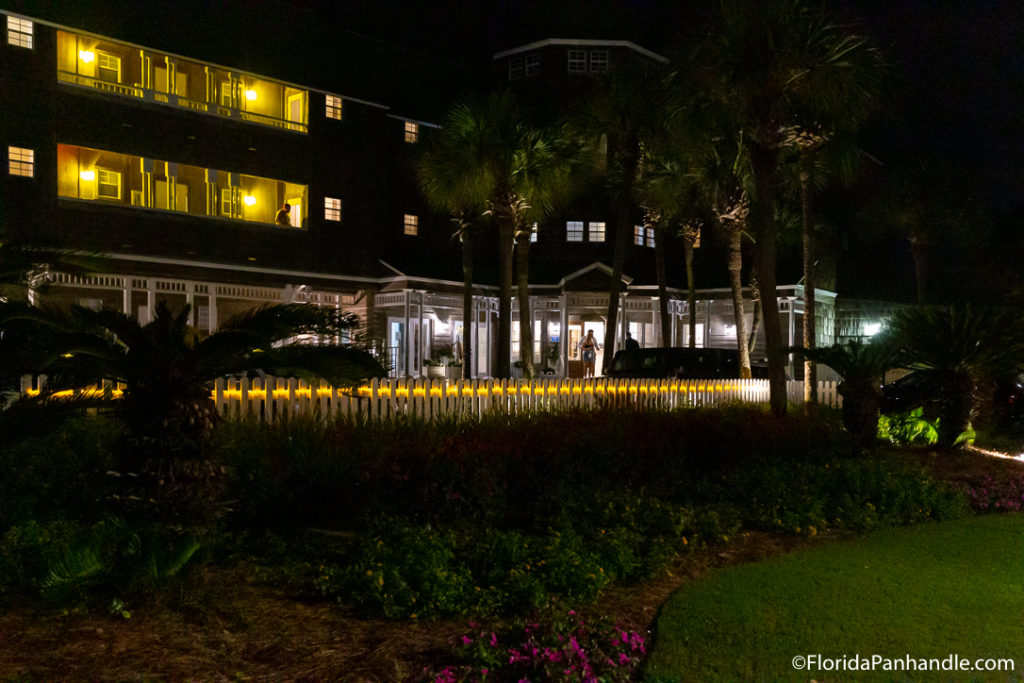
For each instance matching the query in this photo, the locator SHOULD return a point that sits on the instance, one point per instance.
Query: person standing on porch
(588, 351)
(631, 343)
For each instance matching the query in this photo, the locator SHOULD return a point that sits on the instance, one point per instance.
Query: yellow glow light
(250, 95)
(88, 176)
(249, 200)
(86, 55)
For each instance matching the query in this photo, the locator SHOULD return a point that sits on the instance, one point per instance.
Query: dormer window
(412, 131)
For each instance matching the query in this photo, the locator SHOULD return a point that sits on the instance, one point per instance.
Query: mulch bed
(251, 631)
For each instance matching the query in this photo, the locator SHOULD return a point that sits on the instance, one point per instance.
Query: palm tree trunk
(622, 232)
(765, 162)
(919, 250)
(523, 285)
(506, 244)
(736, 285)
(659, 265)
(755, 321)
(691, 295)
(468, 322)
(810, 314)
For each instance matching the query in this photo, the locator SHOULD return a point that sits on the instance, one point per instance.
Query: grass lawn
(929, 590)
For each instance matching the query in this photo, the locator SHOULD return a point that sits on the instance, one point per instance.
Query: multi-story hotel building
(202, 183)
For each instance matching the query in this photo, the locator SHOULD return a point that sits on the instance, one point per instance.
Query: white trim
(417, 121)
(583, 42)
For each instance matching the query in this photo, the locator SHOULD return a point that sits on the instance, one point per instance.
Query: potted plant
(435, 369)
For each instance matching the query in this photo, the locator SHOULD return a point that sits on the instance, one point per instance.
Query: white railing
(272, 398)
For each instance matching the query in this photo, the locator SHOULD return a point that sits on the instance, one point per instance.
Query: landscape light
(871, 329)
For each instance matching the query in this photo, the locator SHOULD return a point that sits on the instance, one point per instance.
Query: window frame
(21, 161)
(574, 231)
(650, 237)
(100, 183)
(332, 209)
(516, 68)
(333, 107)
(412, 132)
(532, 62)
(638, 235)
(594, 232)
(20, 32)
(411, 225)
(577, 61)
(598, 61)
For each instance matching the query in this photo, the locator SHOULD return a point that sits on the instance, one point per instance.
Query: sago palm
(957, 349)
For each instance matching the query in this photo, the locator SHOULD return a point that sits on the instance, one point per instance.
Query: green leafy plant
(908, 428)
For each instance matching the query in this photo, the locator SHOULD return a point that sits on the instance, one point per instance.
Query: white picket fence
(273, 398)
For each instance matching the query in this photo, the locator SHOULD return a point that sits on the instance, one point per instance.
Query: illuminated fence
(274, 397)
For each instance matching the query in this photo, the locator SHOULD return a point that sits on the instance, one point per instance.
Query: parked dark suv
(678, 363)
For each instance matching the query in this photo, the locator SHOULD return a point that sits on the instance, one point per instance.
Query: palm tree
(667, 196)
(767, 64)
(621, 115)
(489, 159)
(862, 367)
(957, 349)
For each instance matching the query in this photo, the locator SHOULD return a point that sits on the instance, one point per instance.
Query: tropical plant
(166, 370)
(622, 116)
(489, 161)
(957, 349)
(861, 366)
(775, 67)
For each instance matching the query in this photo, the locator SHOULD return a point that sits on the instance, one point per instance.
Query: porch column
(150, 300)
(190, 301)
(405, 335)
(126, 293)
(623, 324)
(563, 333)
(212, 322)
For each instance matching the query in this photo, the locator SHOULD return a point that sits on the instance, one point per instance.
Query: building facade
(193, 182)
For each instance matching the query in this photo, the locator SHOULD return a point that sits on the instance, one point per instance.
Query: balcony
(126, 71)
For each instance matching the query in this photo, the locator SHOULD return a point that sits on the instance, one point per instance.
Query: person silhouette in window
(284, 216)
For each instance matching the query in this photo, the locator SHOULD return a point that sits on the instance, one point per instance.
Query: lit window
(332, 209)
(532, 64)
(334, 107)
(574, 231)
(412, 131)
(412, 225)
(577, 61)
(108, 184)
(21, 161)
(598, 60)
(19, 32)
(638, 235)
(597, 231)
(533, 233)
(516, 68)
(108, 67)
(650, 237)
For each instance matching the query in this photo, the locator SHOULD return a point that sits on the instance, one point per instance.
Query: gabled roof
(581, 42)
(592, 277)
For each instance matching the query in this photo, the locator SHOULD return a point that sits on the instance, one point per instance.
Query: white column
(150, 300)
(212, 289)
(406, 331)
(563, 333)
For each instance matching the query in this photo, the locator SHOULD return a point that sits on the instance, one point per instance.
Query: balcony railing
(178, 101)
